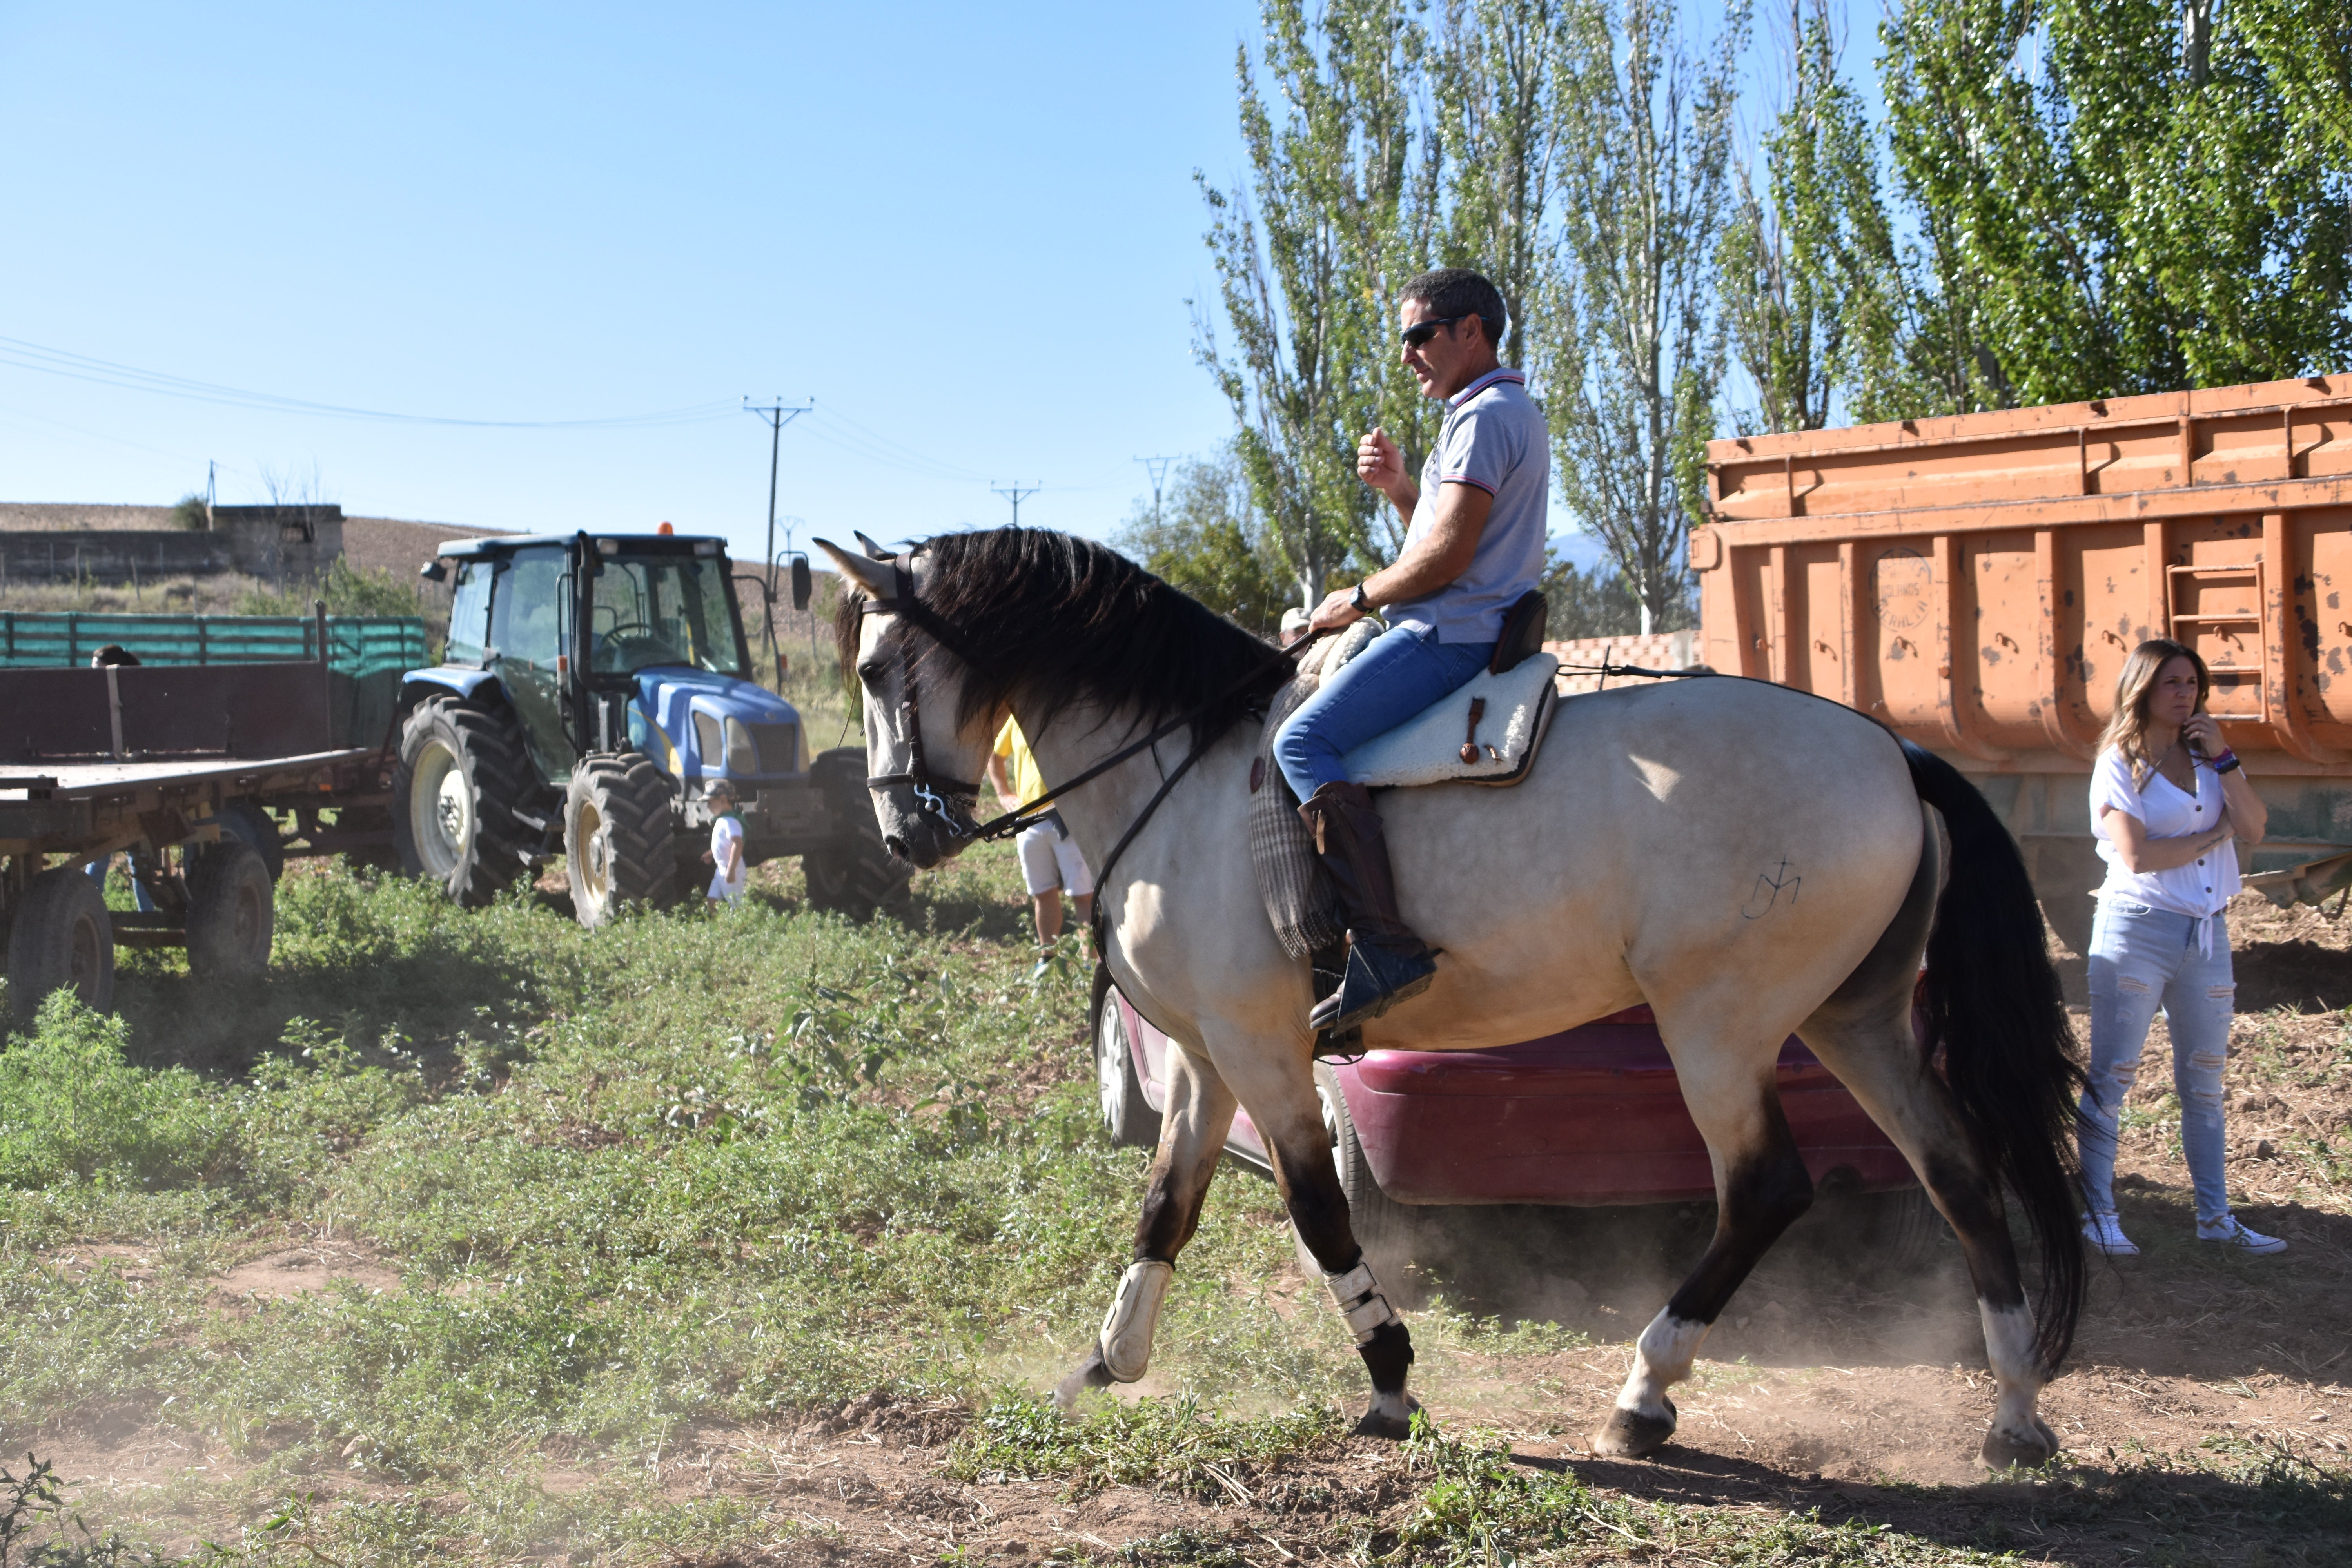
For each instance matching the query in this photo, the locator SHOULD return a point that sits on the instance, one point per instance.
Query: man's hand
(707, 860)
(1334, 612)
(1378, 463)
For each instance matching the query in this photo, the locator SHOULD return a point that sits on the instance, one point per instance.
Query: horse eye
(869, 673)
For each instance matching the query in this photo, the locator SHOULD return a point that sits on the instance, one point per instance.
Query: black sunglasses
(1421, 333)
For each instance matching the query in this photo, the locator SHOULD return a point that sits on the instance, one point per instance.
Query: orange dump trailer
(1976, 582)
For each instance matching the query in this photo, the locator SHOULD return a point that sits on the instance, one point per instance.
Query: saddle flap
(1523, 632)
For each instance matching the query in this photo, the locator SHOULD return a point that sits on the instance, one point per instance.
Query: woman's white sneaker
(2229, 1232)
(2105, 1232)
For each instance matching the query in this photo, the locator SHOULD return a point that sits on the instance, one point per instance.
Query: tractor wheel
(853, 875)
(462, 775)
(231, 912)
(618, 844)
(61, 939)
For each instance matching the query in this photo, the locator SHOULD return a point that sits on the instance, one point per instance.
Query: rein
(935, 794)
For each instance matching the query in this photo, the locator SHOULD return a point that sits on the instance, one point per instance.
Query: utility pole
(1158, 468)
(1013, 492)
(212, 473)
(777, 415)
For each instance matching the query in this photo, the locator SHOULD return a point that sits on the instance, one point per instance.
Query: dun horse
(1625, 870)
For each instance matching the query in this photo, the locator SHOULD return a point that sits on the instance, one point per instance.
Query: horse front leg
(1192, 1130)
(1761, 1188)
(1290, 1118)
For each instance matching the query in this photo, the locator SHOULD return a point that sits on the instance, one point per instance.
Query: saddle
(1487, 733)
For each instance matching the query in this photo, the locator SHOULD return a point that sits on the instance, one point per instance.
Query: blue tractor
(593, 687)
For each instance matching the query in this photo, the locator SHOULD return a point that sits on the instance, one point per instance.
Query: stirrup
(1374, 981)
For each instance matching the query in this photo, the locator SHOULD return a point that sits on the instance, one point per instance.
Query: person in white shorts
(725, 855)
(1051, 864)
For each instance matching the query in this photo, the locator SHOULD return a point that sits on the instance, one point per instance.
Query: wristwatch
(1361, 602)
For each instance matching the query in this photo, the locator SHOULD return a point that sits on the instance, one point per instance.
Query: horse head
(923, 758)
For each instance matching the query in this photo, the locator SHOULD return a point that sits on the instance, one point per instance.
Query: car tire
(60, 939)
(1905, 1231)
(853, 875)
(620, 846)
(1389, 1232)
(1127, 1119)
(232, 912)
(462, 775)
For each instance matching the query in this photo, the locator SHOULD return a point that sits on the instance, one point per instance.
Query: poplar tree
(1338, 214)
(1630, 350)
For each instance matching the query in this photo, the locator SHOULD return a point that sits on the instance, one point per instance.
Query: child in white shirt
(726, 851)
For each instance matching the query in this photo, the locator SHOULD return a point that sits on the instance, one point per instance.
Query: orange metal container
(1975, 582)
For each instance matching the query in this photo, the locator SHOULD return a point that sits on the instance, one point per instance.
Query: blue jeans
(2142, 959)
(1401, 673)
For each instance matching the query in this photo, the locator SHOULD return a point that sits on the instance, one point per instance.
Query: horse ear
(871, 548)
(868, 574)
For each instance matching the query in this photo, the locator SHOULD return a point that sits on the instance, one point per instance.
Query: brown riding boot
(1386, 963)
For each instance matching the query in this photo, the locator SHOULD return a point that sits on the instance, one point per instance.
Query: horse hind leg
(1761, 1188)
(1879, 1061)
(1191, 1135)
(1862, 1035)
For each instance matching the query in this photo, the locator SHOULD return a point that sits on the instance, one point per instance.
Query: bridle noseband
(934, 796)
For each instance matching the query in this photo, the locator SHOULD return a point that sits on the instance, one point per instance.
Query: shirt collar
(1498, 374)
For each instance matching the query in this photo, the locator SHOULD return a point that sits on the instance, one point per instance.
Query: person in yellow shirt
(1050, 863)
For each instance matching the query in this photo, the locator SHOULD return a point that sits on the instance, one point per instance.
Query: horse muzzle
(920, 826)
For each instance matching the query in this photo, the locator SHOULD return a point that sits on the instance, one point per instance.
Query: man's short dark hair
(1452, 291)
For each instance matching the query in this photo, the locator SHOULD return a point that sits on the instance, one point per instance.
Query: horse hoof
(2003, 1449)
(1090, 1374)
(1382, 1421)
(1630, 1435)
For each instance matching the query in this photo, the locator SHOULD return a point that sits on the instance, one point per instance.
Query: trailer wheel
(854, 875)
(61, 939)
(244, 820)
(1387, 1231)
(461, 776)
(618, 845)
(232, 912)
(1127, 1119)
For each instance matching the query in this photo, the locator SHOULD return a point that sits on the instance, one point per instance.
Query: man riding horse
(1474, 545)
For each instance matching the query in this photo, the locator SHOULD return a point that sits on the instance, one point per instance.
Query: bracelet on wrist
(2226, 762)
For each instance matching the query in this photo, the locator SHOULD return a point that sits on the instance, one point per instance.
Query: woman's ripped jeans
(2143, 958)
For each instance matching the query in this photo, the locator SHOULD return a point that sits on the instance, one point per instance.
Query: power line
(1015, 492)
(777, 415)
(18, 354)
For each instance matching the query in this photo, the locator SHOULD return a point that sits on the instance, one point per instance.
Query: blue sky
(969, 233)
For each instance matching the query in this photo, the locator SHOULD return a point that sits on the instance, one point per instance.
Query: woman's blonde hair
(2126, 729)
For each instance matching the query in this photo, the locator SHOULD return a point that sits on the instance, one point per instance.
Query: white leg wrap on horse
(1662, 1358)
(2017, 1375)
(1134, 1318)
(1361, 1302)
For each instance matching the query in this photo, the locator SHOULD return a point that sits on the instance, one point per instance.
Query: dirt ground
(1863, 1399)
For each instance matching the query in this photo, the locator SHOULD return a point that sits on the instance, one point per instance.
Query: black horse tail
(1995, 1010)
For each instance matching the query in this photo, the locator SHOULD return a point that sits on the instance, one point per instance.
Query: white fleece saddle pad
(1427, 750)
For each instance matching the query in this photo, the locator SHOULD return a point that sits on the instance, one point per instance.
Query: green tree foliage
(1336, 218)
(1630, 351)
(2123, 196)
(348, 590)
(1813, 290)
(1207, 539)
(188, 512)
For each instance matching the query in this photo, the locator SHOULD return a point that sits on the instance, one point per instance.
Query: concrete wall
(278, 544)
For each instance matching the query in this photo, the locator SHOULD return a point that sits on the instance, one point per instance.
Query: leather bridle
(935, 796)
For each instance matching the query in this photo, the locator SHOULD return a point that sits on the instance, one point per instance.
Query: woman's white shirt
(2165, 810)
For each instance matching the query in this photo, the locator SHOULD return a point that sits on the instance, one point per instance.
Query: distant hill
(391, 544)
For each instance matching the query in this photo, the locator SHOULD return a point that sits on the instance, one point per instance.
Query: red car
(1588, 1118)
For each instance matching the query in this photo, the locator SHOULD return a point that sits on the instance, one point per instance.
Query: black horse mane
(1051, 620)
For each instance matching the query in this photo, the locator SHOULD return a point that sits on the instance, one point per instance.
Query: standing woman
(2168, 798)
